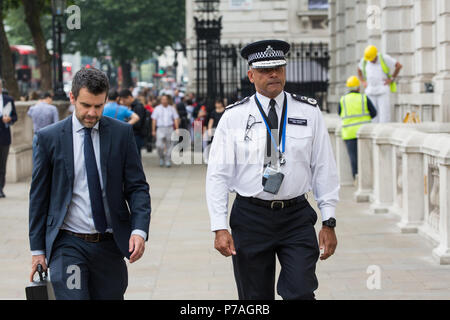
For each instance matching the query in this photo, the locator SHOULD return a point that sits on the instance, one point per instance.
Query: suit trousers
(262, 234)
(81, 270)
(4, 150)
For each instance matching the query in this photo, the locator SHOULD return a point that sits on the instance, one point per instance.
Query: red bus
(27, 68)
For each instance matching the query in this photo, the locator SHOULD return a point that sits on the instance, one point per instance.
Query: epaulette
(237, 103)
(304, 99)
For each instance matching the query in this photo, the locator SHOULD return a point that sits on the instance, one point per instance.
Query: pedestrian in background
(8, 117)
(114, 110)
(355, 109)
(43, 113)
(375, 73)
(214, 118)
(164, 120)
(140, 128)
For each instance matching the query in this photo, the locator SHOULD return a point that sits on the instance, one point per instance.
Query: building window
(318, 4)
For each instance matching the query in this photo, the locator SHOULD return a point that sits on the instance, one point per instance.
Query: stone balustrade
(403, 169)
(20, 159)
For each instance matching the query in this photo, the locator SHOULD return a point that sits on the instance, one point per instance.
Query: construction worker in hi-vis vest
(378, 73)
(355, 109)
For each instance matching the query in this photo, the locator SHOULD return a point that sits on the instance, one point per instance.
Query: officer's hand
(35, 260)
(387, 82)
(224, 243)
(154, 133)
(327, 242)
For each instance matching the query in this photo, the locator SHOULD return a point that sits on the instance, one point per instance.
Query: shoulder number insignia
(238, 103)
(304, 99)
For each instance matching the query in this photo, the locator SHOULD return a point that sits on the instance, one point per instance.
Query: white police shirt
(236, 158)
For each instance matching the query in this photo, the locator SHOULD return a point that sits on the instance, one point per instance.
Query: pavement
(373, 259)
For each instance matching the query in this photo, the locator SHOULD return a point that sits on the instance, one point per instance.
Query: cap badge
(269, 51)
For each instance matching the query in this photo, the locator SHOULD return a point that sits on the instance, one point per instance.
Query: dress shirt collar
(77, 126)
(265, 101)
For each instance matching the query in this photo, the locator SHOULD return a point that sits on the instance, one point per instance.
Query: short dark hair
(112, 95)
(124, 93)
(45, 95)
(94, 80)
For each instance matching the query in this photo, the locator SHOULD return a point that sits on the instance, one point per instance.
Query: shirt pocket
(298, 143)
(251, 146)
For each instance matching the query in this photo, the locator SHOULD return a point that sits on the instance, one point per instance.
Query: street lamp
(58, 7)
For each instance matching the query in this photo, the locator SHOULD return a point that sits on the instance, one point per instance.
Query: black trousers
(81, 270)
(260, 235)
(4, 150)
(352, 149)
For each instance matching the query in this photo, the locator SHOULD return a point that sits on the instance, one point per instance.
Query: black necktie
(95, 190)
(273, 125)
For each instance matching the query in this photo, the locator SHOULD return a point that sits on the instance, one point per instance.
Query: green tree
(33, 10)
(6, 63)
(129, 31)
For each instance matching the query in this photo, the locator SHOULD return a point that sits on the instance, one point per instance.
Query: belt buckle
(277, 201)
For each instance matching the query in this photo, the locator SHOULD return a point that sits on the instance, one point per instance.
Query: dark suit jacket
(53, 175)
(5, 133)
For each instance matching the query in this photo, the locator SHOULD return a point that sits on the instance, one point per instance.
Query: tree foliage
(131, 30)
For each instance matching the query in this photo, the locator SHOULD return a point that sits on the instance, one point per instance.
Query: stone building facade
(415, 32)
(245, 21)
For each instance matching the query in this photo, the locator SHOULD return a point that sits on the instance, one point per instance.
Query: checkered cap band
(268, 54)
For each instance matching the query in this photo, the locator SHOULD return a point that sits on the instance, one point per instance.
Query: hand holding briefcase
(41, 289)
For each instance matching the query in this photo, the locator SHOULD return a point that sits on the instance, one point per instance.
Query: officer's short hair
(94, 80)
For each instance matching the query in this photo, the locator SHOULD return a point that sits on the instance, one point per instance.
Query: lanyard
(282, 138)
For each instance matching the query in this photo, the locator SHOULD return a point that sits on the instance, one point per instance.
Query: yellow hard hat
(353, 82)
(370, 53)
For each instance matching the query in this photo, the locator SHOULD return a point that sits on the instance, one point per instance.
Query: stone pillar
(365, 163)
(361, 33)
(412, 213)
(442, 252)
(340, 47)
(373, 12)
(397, 41)
(20, 158)
(424, 44)
(332, 11)
(383, 170)
(343, 160)
(350, 39)
(442, 79)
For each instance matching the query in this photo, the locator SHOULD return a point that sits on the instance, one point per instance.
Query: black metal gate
(222, 73)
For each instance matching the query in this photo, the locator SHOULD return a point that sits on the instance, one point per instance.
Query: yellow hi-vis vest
(354, 113)
(386, 70)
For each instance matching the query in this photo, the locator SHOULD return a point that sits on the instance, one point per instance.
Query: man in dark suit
(89, 199)
(6, 120)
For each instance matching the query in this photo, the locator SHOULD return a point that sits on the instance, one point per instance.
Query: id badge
(272, 180)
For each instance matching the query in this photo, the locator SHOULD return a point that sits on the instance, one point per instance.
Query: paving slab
(181, 263)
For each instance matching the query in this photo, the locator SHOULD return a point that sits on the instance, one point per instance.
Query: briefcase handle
(41, 272)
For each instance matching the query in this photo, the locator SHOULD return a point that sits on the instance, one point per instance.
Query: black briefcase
(41, 289)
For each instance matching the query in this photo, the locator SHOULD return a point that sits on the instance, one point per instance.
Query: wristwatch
(330, 223)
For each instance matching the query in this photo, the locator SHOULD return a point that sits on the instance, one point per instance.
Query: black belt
(91, 237)
(273, 204)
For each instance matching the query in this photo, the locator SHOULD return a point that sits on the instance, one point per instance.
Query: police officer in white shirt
(271, 149)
